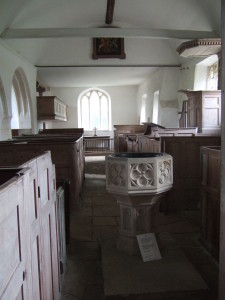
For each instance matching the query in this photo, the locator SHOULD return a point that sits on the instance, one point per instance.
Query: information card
(148, 247)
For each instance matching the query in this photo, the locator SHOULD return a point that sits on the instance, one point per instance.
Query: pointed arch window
(94, 110)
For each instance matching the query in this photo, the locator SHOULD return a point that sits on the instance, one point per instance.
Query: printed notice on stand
(148, 247)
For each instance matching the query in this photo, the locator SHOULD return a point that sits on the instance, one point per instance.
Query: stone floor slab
(106, 231)
(93, 292)
(128, 275)
(104, 211)
(81, 232)
(178, 227)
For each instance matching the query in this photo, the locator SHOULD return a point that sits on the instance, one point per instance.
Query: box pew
(62, 131)
(186, 192)
(148, 144)
(121, 132)
(60, 205)
(67, 155)
(29, 265)
(185, 150)
(210, 206)
(155, 130)
(140, 138)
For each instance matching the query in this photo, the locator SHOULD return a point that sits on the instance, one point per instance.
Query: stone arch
(21, 95)
(3, 103)
(4, 115)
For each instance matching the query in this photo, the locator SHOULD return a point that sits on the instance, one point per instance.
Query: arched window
(20, 101)
(94, 110)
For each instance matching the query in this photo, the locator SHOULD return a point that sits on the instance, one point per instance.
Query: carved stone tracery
(142, 174)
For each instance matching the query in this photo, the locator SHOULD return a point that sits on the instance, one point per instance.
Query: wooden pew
(62, 131)
(121, 133)
(186, 192)
(210, 206)
(67, 155)
(29, 266)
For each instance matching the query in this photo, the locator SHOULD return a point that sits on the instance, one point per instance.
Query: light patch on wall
(15, 113)
(155, 110)
(143, 109)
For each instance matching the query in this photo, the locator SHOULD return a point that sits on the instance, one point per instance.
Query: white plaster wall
(193, 76)
(166, 81)
(145, 89)
(123, 105)
(201, 74)
(187, 78)
(168, 97)
(9, 62)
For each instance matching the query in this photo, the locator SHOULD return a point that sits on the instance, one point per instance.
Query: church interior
(112, 149)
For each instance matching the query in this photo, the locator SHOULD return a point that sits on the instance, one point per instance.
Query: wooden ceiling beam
(40, 33)
(109, 11)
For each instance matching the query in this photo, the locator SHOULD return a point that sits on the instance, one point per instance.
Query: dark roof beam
(109, 11)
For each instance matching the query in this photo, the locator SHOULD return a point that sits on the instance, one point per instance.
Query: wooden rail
(98, 145)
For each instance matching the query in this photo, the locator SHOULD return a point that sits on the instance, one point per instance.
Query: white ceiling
(152, 30)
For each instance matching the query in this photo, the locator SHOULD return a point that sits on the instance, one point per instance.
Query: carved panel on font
(117, 174)
(142, 174)
(164, 172)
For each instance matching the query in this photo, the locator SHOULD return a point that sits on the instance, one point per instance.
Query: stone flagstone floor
(99, 217)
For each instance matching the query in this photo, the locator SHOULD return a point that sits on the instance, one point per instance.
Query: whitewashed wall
(166, 81)
(123, 105)
(190, 78)
(9, 62)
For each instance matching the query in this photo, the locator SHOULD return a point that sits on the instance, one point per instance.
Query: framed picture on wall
(108, 48)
